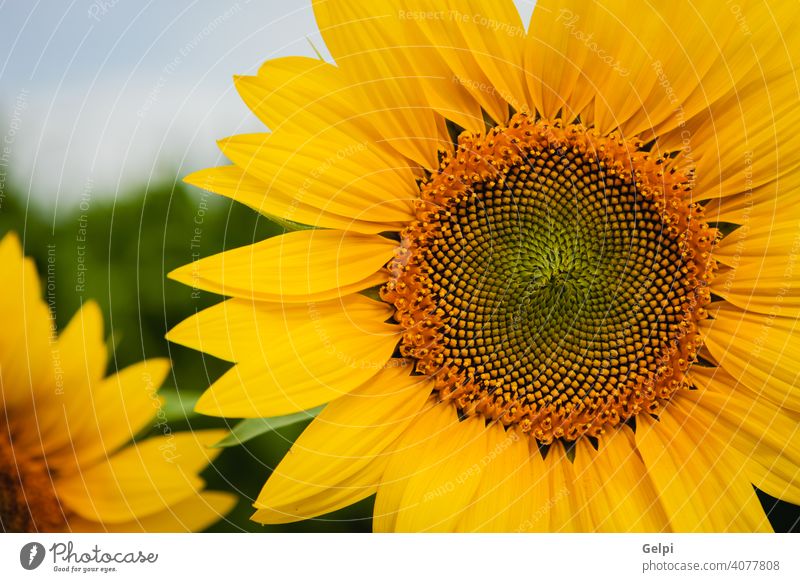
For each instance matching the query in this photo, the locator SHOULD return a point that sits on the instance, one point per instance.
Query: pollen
(553, 278)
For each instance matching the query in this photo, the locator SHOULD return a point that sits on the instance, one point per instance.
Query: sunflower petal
(141, 480)
(78, 361)
(328, 170)
(26, 362)
(357, 37)
(619, 494)
(239, 330)
(494, 35)
(579, 49)
(238, 185)
(766, 435)
(189, 515)
(701, 480)
(745, 140)
(311, 265)
(502, 502)
(342, 451)
(554, 61)
(758, 349)
(301, 94)
(565, 504)
(757, 262)
(112, 413)
(433, 473)
(307, 355)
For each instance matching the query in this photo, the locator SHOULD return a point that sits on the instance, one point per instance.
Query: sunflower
(550, 282)
(65, 461)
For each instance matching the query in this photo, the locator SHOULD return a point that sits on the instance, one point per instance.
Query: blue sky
(100, 95)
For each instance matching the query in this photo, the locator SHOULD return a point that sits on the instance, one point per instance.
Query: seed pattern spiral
(553, 279)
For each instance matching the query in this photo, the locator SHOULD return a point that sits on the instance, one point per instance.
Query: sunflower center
(553, 279)
(27, 499)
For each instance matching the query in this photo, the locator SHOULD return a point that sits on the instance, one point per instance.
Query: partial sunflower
(553, 282)
(65, 459)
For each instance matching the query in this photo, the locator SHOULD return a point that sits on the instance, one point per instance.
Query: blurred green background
(130, 245)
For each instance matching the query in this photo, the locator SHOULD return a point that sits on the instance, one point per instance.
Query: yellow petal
(758, 349)
(427, 53)
(769, 203)
(77, 361)
(310, 265)
(238, 330)
(117, 409)
(447, 67)
(236, 184)
(328, 170)
(493, 34)
(565, 505)
(195, 513)
(339, 459)
(325, 355)
(433, 473)
(140, 480)
(298, 94)
(701, 480)
(766, 435)
(743, 141)
(356, 35)
(502, 502)
(27, 375)
(761, 285)
(426, 49)
(760, 241)
(555, 61)
(578, 49)
(614, 482)
(309, 97)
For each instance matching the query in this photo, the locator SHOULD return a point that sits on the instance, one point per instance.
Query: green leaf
(373, 293)
(178, 405)
(250, 428)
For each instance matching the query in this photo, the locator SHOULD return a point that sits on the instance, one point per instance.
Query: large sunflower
(551, 284)
(65, 462)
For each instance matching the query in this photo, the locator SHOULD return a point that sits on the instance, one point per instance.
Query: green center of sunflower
(27, 499)
(553, 279)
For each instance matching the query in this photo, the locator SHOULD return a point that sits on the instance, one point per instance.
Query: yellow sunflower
(551, 283)
(65, 459)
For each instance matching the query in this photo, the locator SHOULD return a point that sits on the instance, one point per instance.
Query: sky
(98, 97)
